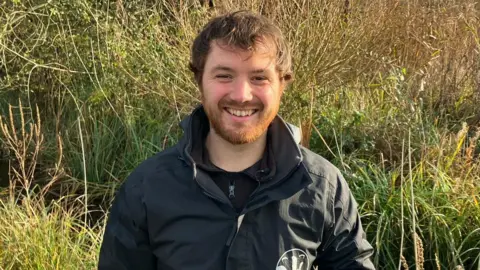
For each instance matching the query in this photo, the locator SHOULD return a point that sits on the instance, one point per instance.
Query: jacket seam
(315, 173)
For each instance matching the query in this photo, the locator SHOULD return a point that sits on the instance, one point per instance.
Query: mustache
(232, 103)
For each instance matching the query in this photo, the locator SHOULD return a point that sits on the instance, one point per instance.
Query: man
(238, 191)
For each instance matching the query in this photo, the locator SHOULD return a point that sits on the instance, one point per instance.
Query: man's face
(241, 92)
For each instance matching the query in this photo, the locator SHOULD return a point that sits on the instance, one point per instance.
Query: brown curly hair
(244, 30)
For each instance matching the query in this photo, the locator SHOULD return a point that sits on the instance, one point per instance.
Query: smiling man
(238, 191)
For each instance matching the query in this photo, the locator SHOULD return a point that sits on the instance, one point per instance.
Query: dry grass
(386, 89)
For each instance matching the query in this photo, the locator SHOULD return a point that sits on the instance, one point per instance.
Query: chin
(238, 138)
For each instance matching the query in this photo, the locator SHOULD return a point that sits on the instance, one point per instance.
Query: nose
(242, 91)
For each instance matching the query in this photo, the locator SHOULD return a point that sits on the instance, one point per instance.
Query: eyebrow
(224, 68)
(228, 69)
(261, 70)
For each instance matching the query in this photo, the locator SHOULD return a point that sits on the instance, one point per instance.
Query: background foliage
(388, 90)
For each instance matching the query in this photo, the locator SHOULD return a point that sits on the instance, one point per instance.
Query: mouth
(241, 112)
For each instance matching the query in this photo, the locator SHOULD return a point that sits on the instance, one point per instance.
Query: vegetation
(387, 90)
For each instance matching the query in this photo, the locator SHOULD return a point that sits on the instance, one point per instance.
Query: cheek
(267, 96)
(213, 92)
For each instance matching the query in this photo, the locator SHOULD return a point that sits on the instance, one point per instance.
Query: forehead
(261, 56)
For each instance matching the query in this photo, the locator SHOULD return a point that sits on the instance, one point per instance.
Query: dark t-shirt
(237, 186)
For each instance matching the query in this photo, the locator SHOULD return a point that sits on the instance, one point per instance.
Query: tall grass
(38, 236)
(388, 90)
(36, 232)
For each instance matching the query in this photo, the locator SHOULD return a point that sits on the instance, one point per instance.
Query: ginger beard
(240, 133)
(237, 80)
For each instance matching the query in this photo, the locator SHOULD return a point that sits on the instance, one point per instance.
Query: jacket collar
(285, 140)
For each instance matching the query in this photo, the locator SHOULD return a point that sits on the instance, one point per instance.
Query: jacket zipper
(233, 234)
(231, 189)
(232, 237)
(236, 228)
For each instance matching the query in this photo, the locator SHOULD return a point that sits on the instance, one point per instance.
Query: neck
(234, 158)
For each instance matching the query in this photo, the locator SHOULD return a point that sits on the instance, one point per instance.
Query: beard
(240, 133)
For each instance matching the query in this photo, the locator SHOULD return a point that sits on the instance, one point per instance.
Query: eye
(223, 76)
(259, 78)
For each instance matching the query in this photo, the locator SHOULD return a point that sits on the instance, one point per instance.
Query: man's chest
(274, 240)
(208, 236)
(237, 187)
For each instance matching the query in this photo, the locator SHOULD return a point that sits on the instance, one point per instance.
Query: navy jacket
(170, 215)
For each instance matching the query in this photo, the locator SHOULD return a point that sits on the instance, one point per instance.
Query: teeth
(240, 112)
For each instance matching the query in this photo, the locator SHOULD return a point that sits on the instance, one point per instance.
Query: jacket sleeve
(125, 243)
(345, 245)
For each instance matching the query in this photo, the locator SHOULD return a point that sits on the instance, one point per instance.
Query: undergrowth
(386, 90)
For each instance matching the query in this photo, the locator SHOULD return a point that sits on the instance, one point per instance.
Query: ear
(283, 86)
(199, 82)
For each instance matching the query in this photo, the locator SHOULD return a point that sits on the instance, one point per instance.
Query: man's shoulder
(324, 172)
(318, 165)
(167, 159)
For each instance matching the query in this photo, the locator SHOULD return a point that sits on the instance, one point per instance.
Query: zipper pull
(231, 189)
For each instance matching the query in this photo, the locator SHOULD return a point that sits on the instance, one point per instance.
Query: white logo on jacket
(294, 259)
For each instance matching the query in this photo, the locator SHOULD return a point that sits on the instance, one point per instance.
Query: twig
(413, 199)
(47, 66)
(400, 263)
(84, 168)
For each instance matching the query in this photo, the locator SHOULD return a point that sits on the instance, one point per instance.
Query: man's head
(242, 64)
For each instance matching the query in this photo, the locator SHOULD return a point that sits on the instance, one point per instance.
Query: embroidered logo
(294, 259)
